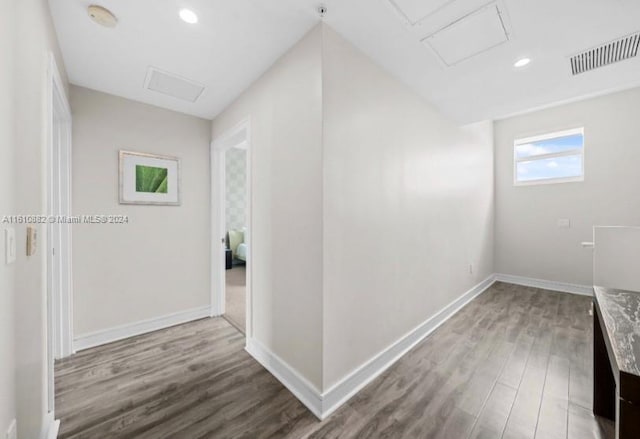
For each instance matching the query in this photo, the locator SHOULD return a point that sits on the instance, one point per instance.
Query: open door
(58, 233)
(231, 227)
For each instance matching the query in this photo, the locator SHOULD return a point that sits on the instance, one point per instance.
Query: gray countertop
(620, 311)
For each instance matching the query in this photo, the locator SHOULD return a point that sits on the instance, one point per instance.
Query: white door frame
(57, 251)
(239, 135)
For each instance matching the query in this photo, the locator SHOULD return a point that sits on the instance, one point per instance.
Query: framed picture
(149, 179)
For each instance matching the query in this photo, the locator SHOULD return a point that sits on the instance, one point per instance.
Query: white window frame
(548, 136)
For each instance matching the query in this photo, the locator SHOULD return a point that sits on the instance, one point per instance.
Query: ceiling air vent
(172, 85)
(609, 53)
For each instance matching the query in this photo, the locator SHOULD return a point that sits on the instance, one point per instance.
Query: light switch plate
(10, 245)
(12, 432)
(32, 241)
(564, 223)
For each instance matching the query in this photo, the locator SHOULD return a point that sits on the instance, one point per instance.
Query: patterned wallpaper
(236, 168)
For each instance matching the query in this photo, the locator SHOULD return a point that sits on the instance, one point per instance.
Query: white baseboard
(307, 393)
(583, 290)
(323, 404)
(50, 427)
(98, 338)
(342, 391)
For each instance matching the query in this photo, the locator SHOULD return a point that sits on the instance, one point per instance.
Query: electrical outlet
(12, 432)
(564, 223)
(10, 245)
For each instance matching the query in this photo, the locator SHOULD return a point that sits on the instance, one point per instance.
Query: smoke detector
(102, 16)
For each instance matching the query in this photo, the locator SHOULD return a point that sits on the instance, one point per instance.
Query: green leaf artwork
(151, 179)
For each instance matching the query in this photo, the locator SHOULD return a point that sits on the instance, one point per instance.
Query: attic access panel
(417, 10)
(469, 36)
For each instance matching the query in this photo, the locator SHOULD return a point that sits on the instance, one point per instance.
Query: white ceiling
(235, 41)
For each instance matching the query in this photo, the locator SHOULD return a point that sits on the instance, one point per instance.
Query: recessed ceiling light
(188, 16)
(522, 62)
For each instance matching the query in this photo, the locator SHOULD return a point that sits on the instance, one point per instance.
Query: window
(551, 158)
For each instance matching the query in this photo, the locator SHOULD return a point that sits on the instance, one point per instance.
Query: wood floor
(514, 363)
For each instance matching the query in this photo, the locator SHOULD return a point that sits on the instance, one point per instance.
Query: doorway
(58, 230)
(231, 213)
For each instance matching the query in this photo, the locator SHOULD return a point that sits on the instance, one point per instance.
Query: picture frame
(149, 179)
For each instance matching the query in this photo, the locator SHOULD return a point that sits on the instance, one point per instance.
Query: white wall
(7, 189)
(615, 257)
(528, 241)
(34, 37)
(284, 106)
(408, 205)
(158, 264)
(368, 207)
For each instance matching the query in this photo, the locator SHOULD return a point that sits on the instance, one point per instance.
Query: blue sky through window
(531, 165)
(559, 167)
(550, 146)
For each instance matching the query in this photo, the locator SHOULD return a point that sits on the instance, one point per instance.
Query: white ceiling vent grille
(609, 53)
(172, 85)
